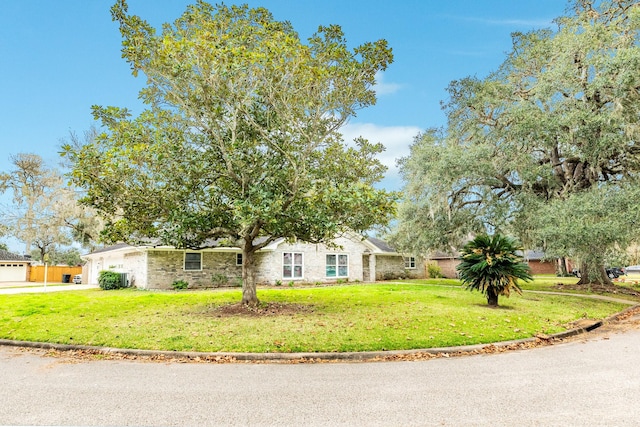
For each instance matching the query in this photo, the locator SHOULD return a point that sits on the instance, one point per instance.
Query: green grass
(347, 318)
(548, 282)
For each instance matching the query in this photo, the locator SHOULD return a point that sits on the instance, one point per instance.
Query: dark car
(615, 272)
(612, 272)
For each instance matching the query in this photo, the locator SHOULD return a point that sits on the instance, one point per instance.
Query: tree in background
(240, 140)
(83, 221)
(44, 213)
(69, 256)
(544, 148)
(38, 195)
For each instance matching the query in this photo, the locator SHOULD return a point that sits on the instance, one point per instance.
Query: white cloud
(396, 140)
(384, 88)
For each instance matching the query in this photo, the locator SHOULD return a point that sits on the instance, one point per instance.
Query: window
(292, 265)
(410, 262)
(238, 259)
(193, 261)
(337, 265)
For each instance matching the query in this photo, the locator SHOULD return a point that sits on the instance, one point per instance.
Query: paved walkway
(35, 287)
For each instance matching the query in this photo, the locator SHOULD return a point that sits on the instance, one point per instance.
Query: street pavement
(591, 381)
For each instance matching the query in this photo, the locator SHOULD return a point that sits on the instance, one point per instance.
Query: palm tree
(491, 265)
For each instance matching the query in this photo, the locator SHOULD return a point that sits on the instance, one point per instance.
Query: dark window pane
(331, 271)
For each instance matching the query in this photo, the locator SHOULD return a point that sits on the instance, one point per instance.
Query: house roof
(444, 255)
(381, 245)
(212, 244)
(111, 248)
(529, 255)
(376, 245)
(8, 256)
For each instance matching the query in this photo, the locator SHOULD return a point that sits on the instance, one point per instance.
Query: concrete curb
(280, 357)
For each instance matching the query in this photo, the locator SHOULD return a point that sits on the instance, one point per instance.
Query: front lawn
(325, 319)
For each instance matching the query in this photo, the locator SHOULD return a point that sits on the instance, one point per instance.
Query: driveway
(36, 287)
(591, 381)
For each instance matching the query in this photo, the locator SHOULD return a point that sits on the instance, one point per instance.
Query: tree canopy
(544, 148)
(240, 138)
(36, 214)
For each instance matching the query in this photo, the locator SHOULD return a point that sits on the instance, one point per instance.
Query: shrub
(180, 285)
(111, 280)
(278, 282)
(219, 279)
(434, 271)
(394, 275)
(491, 265)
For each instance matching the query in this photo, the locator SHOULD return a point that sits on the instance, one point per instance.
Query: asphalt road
(593, 381)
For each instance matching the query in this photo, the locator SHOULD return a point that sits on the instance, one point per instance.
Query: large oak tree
(545, 148)
(240, 139)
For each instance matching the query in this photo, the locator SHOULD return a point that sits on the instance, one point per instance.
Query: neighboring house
(13, 268)
(535, 259)
(539, 264)
(353, 259)
(447, 263)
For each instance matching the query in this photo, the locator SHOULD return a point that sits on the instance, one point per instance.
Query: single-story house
(539, 264)
(447, 263)
(354, 258)
(535, 259)
(13, 268)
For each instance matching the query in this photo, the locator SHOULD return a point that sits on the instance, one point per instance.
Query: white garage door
(13, 272)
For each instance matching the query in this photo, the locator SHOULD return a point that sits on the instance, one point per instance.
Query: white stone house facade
(352, 259)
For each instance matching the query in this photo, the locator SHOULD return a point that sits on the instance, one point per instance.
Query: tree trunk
(492, 297)
(593, 275)
(562, 267)
(249, 293)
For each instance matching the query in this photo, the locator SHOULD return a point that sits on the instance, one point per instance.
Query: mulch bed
(262, 309)
(600, 289)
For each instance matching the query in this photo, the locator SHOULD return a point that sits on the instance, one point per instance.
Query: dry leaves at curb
(71, 356)
(76, 356)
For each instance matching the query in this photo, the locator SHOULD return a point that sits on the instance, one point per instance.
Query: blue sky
(59, 57)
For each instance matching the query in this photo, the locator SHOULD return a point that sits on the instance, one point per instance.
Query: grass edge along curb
(321, 356)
